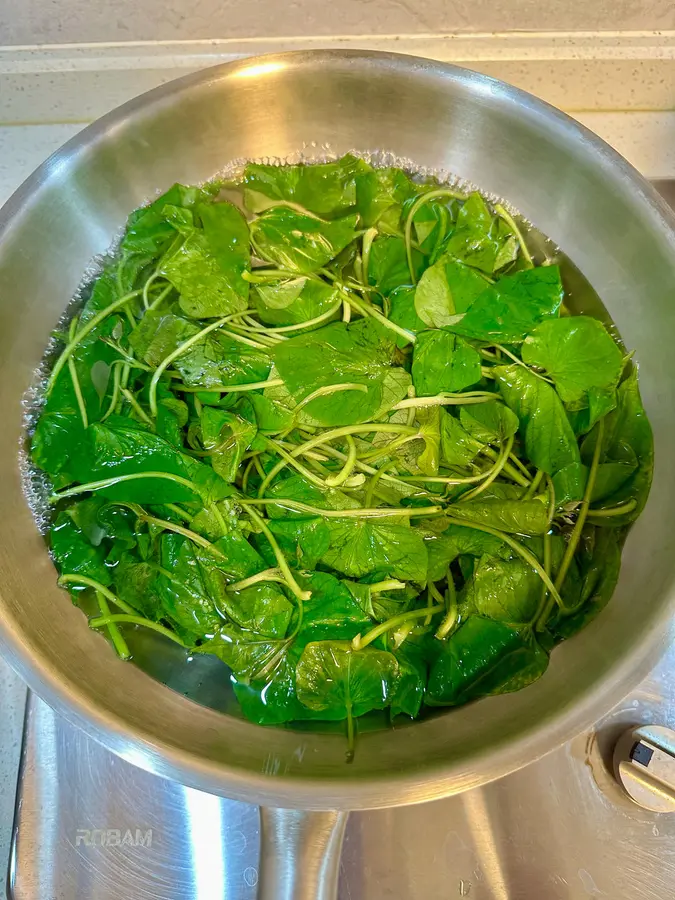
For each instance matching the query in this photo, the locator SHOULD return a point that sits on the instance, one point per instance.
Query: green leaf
(476, 239)
(74, 554)
(569, 483)
(136, 582)
(549, 440)
(501, 506)
(445, 290)
(207, 268)
(270, 414)
(327, 189)
(600, 402)
(300, 242)
(628, 439)
(409, 692)
(380, 195)
(484, 657)
(302, 491)
(402, 312)
(294, 301)
(507, 311)
(507, 590)
(443, 362)
(148, 228)
(228, 434)
(578, 354)
(363, 546)
(331, 675)
(360, 353)
(332, 611)
(446, 546)
(388, 265)
(489, 423)
(458, 447)
(599, 572)
(120, 446)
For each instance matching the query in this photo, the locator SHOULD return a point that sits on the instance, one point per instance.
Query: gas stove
(89, 826)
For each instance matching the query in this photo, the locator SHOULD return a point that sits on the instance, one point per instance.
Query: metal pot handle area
(300, 853)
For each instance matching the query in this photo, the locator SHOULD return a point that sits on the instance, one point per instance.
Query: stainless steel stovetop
(89, 826)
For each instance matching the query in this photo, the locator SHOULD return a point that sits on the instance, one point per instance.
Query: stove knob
(644, 764)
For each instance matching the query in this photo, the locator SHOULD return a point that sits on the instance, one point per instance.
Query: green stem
(190, 342)
(119, 643)
(82, 406)
(82, 334)
(229, 388)
(417, 205)
(536, 481)
(181, 513)
(84, 581)
(519, 362)
(368, 238)
(327, 436)
(367, 309)
(160, 297)
(470, 397)
(380, 512)
(267, 575)
(293, 585)
(102, 621)
(450, 619)
(511, 222)
(336, 480)
(517, 547)
(432, 594)
(496, 469)
(310, 323)
(329, 389)
(361, 641)
(290, 460)
(119, 479)
(117, 375)
(609, 511)
(389, 585)
(543, 614)
(508, 469)
(137, 408)
(217, 515)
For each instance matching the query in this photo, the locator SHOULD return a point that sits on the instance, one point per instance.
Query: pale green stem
(369, 310)
(326, 437)
(137, 408)
(497, 468)
(378, 512)
(82, 334)
(511, 222)
(98, 587)
(450, 619)
(447, 400)
(329, 389)
(361, 641)
(518, 548)
(136, 620)
(229, 388)
(609, 511)
(190, 342)
(268, 575)
(417, 205)
(82, 406)
(293, 585)
(119, 643)
(336, 480)
(118, 479)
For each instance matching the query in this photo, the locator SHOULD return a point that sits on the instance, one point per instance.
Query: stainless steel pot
(568, 182)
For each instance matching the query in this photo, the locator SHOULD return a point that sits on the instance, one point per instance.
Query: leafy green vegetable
(506, 311)
(207, 267)
(484, 657)
(340, 354)
(549, 440)
(443, 362)
(300, 242)
(445, 290)
(327, 189)
(292, 441)
(578, 354)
